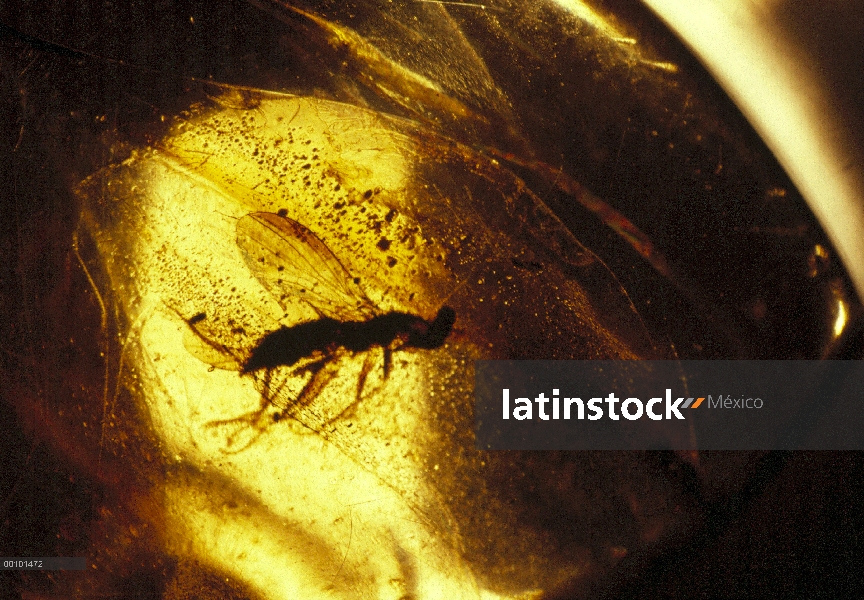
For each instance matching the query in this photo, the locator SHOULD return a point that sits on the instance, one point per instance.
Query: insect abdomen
(287, 345)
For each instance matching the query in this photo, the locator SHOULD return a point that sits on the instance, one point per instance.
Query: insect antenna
(459, 286)
(221, 214)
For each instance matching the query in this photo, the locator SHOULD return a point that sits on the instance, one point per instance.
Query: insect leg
(368, 364)
(267, 393)
(314, 368)
(388, 362)
(323, 371)
(364, 373)
(253, 421)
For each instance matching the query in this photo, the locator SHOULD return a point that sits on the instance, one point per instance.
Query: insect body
(292, 263)
(288, 345)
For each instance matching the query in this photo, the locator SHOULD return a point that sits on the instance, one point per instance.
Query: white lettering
(596, 410)
(568, 402)
(506, 403)
(626, 413)
(523, 412)
(611, 400)
(541, 401)
(673, 408)
(651, 414)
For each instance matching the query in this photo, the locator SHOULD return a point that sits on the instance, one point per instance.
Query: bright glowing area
(330, 497)
(782, 93)
(585, 13)
(842, 316)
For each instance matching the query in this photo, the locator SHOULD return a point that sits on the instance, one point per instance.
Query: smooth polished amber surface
(560, 174)
(412, 220)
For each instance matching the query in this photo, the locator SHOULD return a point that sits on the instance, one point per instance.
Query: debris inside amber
(410, 222)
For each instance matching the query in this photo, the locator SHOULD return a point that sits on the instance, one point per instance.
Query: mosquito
(291, 262)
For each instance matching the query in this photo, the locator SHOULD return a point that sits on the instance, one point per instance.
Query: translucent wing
(292, 262)
(200, 340)
(209, 352)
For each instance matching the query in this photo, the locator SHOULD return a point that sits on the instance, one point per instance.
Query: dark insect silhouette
(292, 262)
(288, 345)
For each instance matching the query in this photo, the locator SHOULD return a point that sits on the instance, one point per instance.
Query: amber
(563, 175)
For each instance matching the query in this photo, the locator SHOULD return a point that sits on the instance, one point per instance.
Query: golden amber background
(578, 137)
